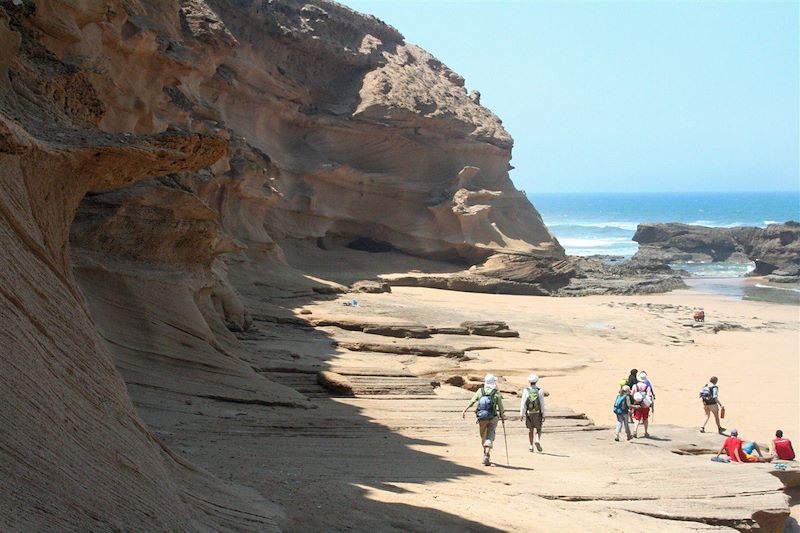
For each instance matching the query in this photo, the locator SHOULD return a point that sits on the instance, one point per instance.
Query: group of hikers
(490, 411)
(635, 402)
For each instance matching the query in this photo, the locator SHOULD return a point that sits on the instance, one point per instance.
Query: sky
(626, 96)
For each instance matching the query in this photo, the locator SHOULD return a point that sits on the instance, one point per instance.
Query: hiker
(709, 394)
(642, 401)
(649, 384)
(632, 378)
(631, 381)
(622, 406)
(488, 412)
(782, 448)
(531, 409)
(734, 447)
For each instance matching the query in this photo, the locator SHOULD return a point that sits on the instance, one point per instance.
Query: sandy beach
(582, 347)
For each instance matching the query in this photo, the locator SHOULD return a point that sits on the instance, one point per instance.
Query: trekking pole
(508, 461)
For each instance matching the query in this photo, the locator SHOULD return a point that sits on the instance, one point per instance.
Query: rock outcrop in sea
(775, 250)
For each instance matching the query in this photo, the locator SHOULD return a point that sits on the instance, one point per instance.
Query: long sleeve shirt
(498, 401)
(523, 405)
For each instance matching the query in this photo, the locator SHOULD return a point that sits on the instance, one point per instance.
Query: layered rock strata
(155, 155)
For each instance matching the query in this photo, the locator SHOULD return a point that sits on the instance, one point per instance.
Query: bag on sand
(485, 409)
(534, 404)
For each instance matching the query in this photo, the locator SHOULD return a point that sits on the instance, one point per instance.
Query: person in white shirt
(532, 410)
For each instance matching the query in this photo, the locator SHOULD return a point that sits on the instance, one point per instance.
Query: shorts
(748, 458)
(487, 430)
(641, 413)
(748, 447)
(711, 407)
(533, 421)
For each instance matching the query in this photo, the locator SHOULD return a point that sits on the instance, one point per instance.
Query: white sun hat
(533, 378)
(490, 382)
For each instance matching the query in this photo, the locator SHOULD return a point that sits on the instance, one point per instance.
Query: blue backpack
(618, 405)
(485, 409)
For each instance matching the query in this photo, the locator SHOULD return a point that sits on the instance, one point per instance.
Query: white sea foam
(622, 226)
(762, 286)
(593, 243)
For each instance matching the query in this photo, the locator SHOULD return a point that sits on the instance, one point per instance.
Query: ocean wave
(594, 243)
(623, 226)
(773, 287)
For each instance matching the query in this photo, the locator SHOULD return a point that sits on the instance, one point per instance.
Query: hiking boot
(702, 430)
(486, 461)
(630, 437)
(539, 446)
(616, 438)
(721, 431)
(647, 435)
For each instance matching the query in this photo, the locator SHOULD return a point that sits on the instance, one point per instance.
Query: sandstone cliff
(157, 158)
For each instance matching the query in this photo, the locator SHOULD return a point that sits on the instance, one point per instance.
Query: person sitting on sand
(622, 406)
(736, 450)
(782, 448)
(488, 412)
(531, 409)
(642, 401)
(711, 404)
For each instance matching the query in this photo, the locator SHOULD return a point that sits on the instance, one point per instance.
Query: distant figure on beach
(782, 447)
(738, 452)
(642, 402)
(531, 409)
(648, 383)
(488, 412)
(622, 407)
(709, 394)
(632, 380)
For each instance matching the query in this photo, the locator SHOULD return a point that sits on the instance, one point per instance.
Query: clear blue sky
(626, 96)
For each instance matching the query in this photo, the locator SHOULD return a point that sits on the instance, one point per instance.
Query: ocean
(604, 223)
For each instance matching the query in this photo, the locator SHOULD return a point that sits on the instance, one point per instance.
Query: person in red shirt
(733, 447)
(782, 448)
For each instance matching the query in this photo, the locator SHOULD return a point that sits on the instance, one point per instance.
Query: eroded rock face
(144, 142)
(774, 249)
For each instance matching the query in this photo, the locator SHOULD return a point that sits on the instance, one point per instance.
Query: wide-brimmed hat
(642, 377)
(490, 381)
(533, 378)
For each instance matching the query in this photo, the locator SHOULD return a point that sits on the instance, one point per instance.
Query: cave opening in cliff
(365, 244)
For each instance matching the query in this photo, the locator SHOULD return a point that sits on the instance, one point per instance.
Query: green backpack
(534, 404)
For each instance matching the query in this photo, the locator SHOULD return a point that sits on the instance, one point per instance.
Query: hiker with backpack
(488, 412)
(709, 395)
(642, 401)
(622, 406)
(531, 409)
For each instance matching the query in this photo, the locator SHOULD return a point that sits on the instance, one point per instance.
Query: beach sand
(582, 347)
(398, 456)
